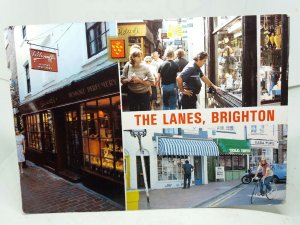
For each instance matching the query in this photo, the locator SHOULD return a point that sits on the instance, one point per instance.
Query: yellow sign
(132, 30)
(174, 30)
(117, 48)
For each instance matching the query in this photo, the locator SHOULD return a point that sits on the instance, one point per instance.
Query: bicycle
(270, 194)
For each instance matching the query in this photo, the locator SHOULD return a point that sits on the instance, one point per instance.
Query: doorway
(139, 170)
(198, 170)
(73, 140)
(211, 168)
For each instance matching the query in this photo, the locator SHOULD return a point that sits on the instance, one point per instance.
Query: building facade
(72, 115)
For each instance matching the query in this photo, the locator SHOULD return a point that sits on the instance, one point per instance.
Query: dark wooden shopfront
(54, 124)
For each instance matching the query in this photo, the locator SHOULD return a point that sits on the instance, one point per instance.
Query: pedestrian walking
(180, 60)
(167, 73)
(187, 172)
(153, 89)
(189, 82)
(20, 141)
(156, 62)
(138, 78)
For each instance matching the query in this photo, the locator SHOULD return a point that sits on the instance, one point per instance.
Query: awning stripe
(180, 146)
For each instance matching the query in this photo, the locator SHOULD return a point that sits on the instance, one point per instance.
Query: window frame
(96, 40)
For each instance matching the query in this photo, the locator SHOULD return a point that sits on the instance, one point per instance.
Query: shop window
(96, 37)
(48, 132)
(170, 167)
(229, 44)
(233, 162)
(270, 70)
(33, 132)
(101, 135)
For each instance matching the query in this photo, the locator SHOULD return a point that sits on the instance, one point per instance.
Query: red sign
(117, 48)
(42, 60)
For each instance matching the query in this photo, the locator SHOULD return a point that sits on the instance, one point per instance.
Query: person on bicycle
(267, 175)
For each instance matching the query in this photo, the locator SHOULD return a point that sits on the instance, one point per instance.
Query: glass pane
(228, 163)
(235, 160)
(271, 54)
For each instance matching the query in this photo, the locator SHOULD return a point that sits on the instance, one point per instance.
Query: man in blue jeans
(267, 174)
(187, 170)
(167, 73)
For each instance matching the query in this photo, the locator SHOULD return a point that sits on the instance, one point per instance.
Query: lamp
(139, 133)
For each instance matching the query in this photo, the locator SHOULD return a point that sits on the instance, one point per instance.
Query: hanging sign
(117, 47)
(42, 60)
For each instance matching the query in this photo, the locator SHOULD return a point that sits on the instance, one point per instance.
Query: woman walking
(137, 76)
(20, 140)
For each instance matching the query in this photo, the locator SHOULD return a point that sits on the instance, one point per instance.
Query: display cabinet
(102, 140)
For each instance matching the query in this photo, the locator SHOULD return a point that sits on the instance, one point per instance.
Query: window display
(233, 162)
(170, 167)
(101, 134)
(33, 131)
(271, 58)
(48, 132)
(229, 44)
(39, 132)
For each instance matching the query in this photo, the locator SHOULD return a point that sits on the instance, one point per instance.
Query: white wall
(72, 57)
(270, 133)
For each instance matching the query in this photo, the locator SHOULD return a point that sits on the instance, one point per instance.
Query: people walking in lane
(156, 62)
(167, 74)
(187, 170)
(20, 141)
(180, 60)
(137, 76)
(189, 83)
(153, 90)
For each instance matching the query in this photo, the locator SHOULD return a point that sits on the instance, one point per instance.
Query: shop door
(198, 170)
(73, 140)
(211, 163)
(140, 178)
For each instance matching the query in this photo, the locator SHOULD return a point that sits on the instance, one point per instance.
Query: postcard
(150, 114)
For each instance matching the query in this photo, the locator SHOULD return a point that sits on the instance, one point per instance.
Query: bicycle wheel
(272, 194)
(254, 193)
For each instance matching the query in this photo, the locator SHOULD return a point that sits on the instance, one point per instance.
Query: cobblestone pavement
(44, 192)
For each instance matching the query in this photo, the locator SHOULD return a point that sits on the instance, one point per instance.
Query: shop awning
(231, 146)
(183, 146)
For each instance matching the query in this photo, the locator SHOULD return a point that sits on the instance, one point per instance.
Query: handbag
(124, 87)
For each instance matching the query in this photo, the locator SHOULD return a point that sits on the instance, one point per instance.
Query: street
(241, 195)
(44, 192)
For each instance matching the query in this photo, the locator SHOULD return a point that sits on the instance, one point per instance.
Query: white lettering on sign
(38, 55)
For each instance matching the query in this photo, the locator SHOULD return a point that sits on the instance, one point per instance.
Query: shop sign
(238, 151)
(263, 143)
(42, 60)
(132, 30)
(117, 47)
(220, 173)
(174, 31)
(102, 83)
